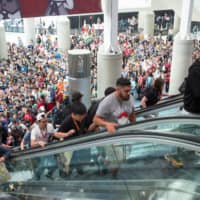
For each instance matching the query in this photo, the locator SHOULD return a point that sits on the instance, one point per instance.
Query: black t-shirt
(68, 124)
(152, 95)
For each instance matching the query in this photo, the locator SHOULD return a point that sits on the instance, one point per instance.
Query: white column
(182, 49)
(109, 58)
(109, 69)
(110, 9)
(3, 46)
(29, 30)
(63, 33)
(181, 60)
(177, 22)
(146, 23)
(186, 18)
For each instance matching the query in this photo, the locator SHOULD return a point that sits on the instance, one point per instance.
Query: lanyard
(76, 125)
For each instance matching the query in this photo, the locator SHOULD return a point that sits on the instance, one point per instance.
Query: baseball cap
(40, 116)
(42, 109)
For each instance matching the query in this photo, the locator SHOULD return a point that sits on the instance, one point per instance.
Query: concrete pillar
(186, 18)
(79, 73)
(109, 69)
(109, 58)
(182, 49)
(63, 33)
(146, 23)
(3, 49)
(29, 30)
(181, 60)
(177, 22)
(110, 9)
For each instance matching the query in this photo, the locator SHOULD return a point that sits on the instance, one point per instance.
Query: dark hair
(78, 108)
(123, 82)
(158, 85)
(76, 96)
(109, 90)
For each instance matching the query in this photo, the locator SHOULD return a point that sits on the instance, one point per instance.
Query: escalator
(166, 100)
(169, 107)
(182, 124)
(131, 164)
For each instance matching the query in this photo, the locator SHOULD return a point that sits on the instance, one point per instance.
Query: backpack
(92, 111)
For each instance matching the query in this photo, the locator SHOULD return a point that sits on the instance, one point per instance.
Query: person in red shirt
(28, 116)
(167, 79)
(41, 102)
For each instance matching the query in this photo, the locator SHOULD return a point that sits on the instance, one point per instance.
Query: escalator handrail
(188, 117)
(165, 100)
(179, 117)
(158, 106)
(103, 136)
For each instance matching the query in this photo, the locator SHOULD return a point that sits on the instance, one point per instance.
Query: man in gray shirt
(117, 108)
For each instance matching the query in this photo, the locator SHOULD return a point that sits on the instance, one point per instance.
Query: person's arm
(132, 117)
(110, 126)
(2, 159)
(103, 110)
(6, 146)
(22, 144)
(143, 102)
(37, 143)
(93, 127)
(65, 130)
(64, 134)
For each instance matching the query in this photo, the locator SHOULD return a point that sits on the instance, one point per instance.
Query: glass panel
(176, 125)
(173, 110)
(121, 170)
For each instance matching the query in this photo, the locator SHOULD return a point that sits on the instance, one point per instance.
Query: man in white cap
(43, 130)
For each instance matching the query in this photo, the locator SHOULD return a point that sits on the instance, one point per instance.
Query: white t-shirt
(42, 135)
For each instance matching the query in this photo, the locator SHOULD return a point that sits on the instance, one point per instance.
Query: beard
(124, 98)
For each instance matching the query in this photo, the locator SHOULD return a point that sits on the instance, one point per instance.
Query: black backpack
(92, 111)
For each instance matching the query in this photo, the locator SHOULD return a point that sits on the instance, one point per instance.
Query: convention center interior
(99, 100)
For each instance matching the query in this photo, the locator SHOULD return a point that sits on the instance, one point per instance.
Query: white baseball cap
(40, 116)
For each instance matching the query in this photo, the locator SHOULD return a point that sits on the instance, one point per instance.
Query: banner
(36, 8)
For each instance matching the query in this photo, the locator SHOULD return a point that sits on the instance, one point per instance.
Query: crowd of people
(31, 81)
(32, 87)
